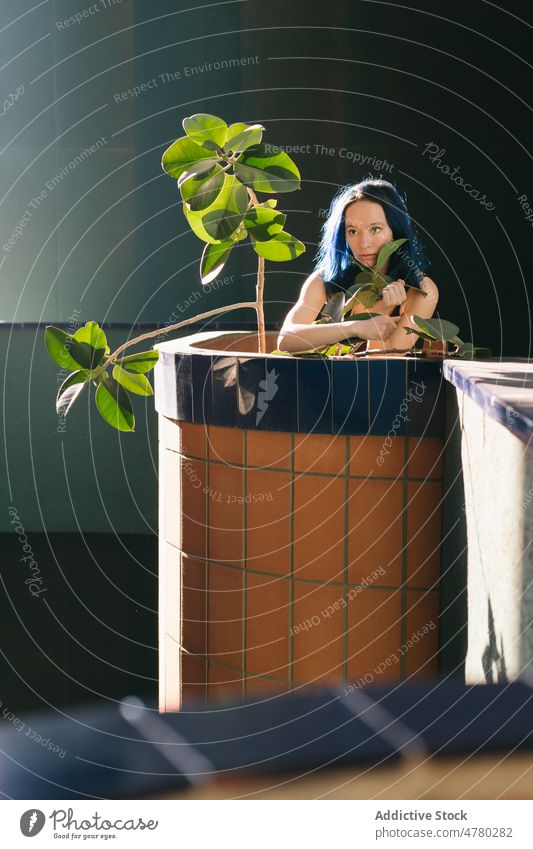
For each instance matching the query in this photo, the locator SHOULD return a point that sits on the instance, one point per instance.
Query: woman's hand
(394, 294)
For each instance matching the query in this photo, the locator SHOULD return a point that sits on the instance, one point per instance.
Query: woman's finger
(394, 293)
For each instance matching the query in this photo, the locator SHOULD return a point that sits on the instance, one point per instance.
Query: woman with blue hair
(362, 219)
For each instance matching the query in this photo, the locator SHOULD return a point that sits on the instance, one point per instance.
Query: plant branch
(407, 352)
(259, 304)
(171, 327)
(259, 289)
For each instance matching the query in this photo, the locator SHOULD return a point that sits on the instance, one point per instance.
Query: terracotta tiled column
(291, 559)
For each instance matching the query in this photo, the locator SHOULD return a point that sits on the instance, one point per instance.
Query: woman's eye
(378, 229)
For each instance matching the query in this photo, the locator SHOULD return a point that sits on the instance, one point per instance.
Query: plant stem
(413, 352)
(259, 289)
(259, 304)
(171, 327)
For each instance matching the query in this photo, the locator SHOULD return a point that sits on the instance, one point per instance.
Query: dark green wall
(379, 80)
(108, 239)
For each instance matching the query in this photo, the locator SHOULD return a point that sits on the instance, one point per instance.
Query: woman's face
(366, 230)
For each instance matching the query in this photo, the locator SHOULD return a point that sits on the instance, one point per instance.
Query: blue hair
(333, 258)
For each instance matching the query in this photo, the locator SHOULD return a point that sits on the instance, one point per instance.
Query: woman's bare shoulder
(428, 285)
(313, 289)
(432, 292)
(310, 301)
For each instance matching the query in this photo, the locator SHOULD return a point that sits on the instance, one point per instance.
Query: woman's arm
(414, 304)
(299, 333)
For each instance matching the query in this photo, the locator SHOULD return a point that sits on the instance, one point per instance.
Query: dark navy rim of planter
(396, 396)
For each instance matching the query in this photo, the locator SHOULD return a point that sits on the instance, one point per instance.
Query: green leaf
(242, 136)
(69, 391)
(467, 351)
(380, 281)
(263, 222)
(92, 345)
(135, 382)
(365, 278)
(114, 405)
(312, 353)
(183, 155)
(206, 130)
(332, 310)
(140, 363)
(281, 247)
(214, 258)
(199, 168)
(362, 316)
(197, 226)
(437, 328)
(62, 347)
(363, 282)
(201, 190)
(224, 216)
(92, 334)
(387, 251)
(265, 170)
(421, 334)
(366, 296)
(338, 349)
(364, 268)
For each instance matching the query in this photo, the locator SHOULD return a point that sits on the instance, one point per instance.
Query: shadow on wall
(493, 659)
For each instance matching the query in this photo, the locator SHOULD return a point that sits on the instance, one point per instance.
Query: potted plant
(290, 559)
(219, 169)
